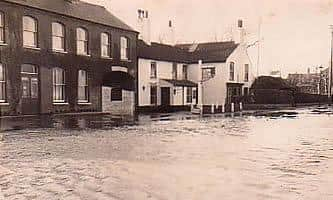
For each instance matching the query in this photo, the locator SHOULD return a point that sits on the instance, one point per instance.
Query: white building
(178, 77)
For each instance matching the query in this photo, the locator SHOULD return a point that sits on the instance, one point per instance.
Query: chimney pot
(170, 23)
(240, 23)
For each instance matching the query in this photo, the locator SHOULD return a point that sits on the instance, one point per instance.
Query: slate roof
(187, 53)
(185, 83)
(76, 9)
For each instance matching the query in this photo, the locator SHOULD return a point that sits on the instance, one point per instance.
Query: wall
(124, 107)
(13, 55)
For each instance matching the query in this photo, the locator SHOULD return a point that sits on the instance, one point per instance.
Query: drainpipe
(200, 87)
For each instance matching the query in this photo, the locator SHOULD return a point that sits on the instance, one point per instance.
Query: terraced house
(65, 56)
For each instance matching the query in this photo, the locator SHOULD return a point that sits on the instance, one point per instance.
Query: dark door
(30, 89)
(165, 96)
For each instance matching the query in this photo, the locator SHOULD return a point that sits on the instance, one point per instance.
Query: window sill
(107, 58)
(60, 103)
(4, 104)
(59, 51)
(85, 55)
(3, 44)
(125, 60)
(33, 48)
(117, 101)
(84, 103)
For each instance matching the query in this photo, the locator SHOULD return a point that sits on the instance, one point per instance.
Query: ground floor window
(246, 91)
(58, 85)
(153, 95)
(116, 94)
(2, 84)
(189, 95)
(83, 91)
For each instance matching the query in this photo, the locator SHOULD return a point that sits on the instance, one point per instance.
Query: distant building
(180, 76)
(311, 83)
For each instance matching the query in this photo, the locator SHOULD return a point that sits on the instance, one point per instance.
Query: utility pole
(259, 40)
(331, 67)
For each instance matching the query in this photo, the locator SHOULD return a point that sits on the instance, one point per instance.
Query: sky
(295, 34)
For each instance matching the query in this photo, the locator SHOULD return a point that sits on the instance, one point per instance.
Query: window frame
(55, 85)
(185, 72)
(85, 41)
(124, 50)
(34, 32)
(246, 72)
(153, 98)
(108, 45)
(62, 37)
(232, 71)
(174, 71)
(2, 28)
(119, 92)
(3, 84)
(189, 95)
(208, 72)
(153, 70)
(85, 86)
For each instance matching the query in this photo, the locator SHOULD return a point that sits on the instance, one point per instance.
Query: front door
(165, 96)
(234, 93)
(30, 89)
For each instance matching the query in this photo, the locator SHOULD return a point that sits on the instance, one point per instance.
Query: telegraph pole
(331, 67)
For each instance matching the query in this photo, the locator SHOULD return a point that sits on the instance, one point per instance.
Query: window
(208, 73)
(116, 94)
(2, 84)
(153, 70)
(188, 95)
(185, 72)
(30, 29)
(246, 91)
(153, 95)
(81, 41)
(105, 45)
(174, 70)
(83, 91)
(232, 71)
(29, 81)
(58, 37)
(124, 48)
(58, 85)
(2, 28)
(246, 74)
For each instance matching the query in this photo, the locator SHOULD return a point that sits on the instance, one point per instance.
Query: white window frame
(232, 71)
(59, 85)
(208, 72)
(124, 48)
(153, 70)
(84, 40)
(61, 36)
(30, 30)
(106, 44)
(3, 85)
(2, 28)
(84, 85)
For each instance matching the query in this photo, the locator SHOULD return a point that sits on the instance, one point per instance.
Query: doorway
(30, 89)
(165, 96)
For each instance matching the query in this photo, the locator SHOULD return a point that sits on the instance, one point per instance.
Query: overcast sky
(295, 32)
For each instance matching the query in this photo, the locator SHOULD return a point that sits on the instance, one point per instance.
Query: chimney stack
(240, 33)
(144, 26)
(170, 34)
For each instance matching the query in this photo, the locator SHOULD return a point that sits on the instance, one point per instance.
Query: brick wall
(124, 107)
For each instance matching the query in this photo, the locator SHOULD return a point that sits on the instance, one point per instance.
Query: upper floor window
(185, 74)
(2, 84)
(208, 73)
(83, 86)
(174, 70)
(105, 45)
(2, 28)
(153, 70)
(30, 31)
(232, 71)
(246, 73)
(124, 48)
(81, 41)
(58, 36)
(58, 85)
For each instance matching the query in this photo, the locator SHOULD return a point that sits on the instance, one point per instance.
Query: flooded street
(285, 155)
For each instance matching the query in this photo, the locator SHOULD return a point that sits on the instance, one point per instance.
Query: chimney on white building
(170, 34)
(240, 33)
(144, 26)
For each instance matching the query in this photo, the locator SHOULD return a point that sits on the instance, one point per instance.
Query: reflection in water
(263, 155)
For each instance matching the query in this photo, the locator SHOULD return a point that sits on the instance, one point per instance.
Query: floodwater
(263, 155)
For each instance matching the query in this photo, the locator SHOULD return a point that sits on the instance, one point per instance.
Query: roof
(185, 83)
(162, 52)
(187, 53)
(76, 9)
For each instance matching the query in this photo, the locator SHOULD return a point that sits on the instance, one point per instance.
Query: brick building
(58, 56)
